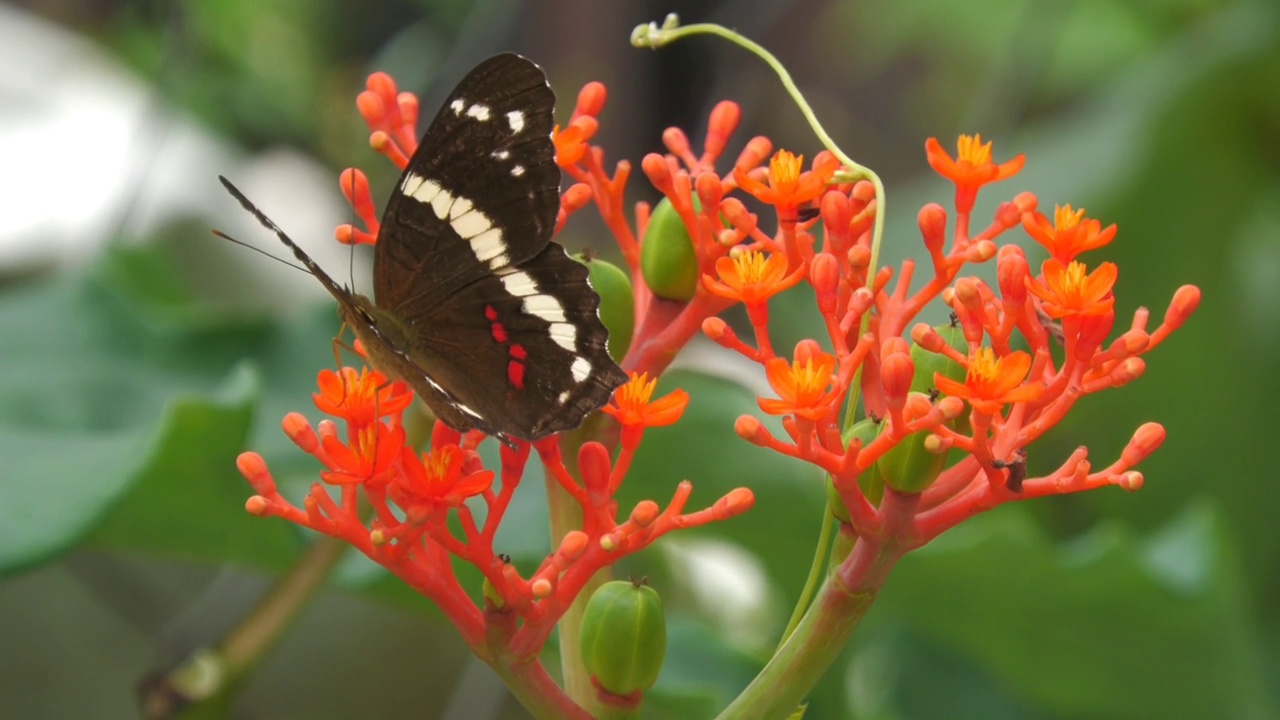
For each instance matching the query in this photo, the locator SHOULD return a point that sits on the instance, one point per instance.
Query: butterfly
(490, 323)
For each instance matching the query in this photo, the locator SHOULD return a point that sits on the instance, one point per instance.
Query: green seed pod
(927, 363)
(624, 637)
(668, 260)
(909, 466)
(617, 303)
(870, 482)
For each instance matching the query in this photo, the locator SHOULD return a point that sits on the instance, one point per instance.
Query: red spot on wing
(491, 313)
(499, 333)
(517, 352)
(515, 373)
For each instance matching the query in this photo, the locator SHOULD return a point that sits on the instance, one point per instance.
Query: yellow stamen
(636, 393)
(972, 150)
(437, 463)
(751, 266)
(1064, 218)
(784, 169)
(809, 381)
(983, 367)
(1075, 280)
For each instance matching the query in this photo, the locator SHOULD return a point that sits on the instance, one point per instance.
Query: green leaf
(117, 381)
(188, 500)
(1108, 626)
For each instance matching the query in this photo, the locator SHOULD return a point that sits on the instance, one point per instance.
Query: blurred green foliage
(125, 397)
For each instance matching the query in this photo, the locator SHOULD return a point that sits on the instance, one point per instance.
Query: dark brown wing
(480, 193)
(525, 350)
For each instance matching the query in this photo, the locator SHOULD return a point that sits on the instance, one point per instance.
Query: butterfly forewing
(480, 193)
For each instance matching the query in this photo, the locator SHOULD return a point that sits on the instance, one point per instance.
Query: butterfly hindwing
(534, 336)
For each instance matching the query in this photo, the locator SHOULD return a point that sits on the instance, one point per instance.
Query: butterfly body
(489, 321)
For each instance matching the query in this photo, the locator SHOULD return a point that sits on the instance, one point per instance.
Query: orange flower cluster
(1013, 396)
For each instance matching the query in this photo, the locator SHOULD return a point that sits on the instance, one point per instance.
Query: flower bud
(668, 260)
(617, 303)
(624, 637)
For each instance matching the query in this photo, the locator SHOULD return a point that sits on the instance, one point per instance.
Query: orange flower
(632, 406)
(751, 277)
(360, 397)
(801, 387)
(437, 478)
(368, 459)
(788, 187)
(991, 382)
(1069, 235)
(1071, 291)
(971, 169)
(571, 142)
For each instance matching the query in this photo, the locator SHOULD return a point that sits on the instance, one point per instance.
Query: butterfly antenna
(260, 251)
(351, 256)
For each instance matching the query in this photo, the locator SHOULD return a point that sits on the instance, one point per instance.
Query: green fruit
(870, 482)
(624, 637)
(927, 363)
(909, 467)
(668, 260)
(617, 303)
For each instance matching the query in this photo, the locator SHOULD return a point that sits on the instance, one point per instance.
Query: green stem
(566, 515)
(208, 675)
(817, 569)
(655, 36)
(818, 640)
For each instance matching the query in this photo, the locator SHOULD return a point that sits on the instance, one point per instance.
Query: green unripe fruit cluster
(911, 466)
(617, 303)
(927, 363)
(668, 260)
(870, 481)
(624, 637)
